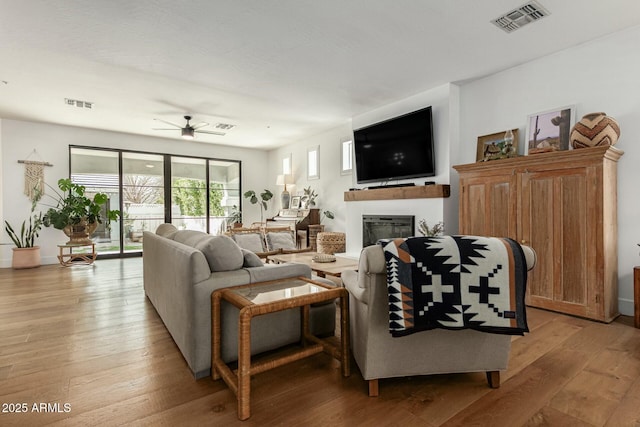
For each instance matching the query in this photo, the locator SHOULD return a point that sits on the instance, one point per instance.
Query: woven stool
(330, 242)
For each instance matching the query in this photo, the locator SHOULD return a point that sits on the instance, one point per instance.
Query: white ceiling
(280, 70)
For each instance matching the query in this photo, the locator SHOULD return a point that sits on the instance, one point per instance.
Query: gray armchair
(379, 355)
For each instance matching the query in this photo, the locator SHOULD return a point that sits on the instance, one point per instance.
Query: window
(346, 157)
(287, 166)
(313, 162)
(150, 189)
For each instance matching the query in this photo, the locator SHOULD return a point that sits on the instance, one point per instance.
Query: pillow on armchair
(280, 240)
(250, 241)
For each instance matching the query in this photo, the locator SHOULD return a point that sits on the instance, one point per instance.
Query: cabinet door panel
(488, 207)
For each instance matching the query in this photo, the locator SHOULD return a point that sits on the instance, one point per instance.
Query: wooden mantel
(392, 193)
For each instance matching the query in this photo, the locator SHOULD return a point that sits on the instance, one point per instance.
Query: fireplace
(375, 227)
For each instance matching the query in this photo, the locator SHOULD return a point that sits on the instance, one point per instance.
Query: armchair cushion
(279, 240)
(250, 241)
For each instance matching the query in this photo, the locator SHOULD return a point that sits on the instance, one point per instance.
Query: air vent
(224, 126)
(78, 103)
(521, 16)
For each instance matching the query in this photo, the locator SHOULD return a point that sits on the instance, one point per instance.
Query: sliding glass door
(152, 188)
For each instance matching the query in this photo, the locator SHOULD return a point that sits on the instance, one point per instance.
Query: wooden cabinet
(562, 204)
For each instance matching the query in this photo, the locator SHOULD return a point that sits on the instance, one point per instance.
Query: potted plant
(26, 254)
(235, 216)
(265, 196)
(308, 198)
(427, 231)
(76, 214)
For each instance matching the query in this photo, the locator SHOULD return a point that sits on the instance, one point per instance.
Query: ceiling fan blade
(200, 125)
(169, 123)
(163, 129)
(211, 132)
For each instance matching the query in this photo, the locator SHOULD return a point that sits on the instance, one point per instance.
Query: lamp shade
(284, 179)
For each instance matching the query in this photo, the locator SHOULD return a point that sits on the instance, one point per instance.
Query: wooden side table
(68, 258)
(261, 298)
(636, 297)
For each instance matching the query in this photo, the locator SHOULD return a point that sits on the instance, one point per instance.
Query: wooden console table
(70, 258)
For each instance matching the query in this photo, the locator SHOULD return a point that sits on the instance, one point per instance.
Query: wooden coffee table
(322, 269)
(261, 298)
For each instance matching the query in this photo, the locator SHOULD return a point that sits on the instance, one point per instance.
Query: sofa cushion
(221, 252)
(166, 230)
(250, 241)
(251, 259)
(280, 240)
(189, 237)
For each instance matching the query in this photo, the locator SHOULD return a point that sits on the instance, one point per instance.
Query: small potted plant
(26, 254)
(308, 198)
(427, 231)
(235, 216)
(76, 214)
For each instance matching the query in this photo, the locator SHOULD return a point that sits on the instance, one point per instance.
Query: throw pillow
(221, 253)
(250, 241)
(280, 240)
(189, 237)
(251, 259)
(165, 230)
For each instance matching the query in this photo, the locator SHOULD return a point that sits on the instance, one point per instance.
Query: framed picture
(295, 202)
(549, 130)
(496, 146)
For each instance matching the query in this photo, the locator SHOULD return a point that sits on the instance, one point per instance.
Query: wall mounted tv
(398, 148)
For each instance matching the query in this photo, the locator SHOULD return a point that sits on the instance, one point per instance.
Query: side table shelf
(68, 258)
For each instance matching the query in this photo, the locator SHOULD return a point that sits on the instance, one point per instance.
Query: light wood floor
(87, 338)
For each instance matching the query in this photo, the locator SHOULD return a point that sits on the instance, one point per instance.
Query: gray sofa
(182, 269)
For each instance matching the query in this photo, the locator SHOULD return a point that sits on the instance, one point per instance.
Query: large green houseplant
(76, 214)
(265, 196)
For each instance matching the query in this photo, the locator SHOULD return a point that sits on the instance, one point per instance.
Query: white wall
(603, 75)
(19, 138)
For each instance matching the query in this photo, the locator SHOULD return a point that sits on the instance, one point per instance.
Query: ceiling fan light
(187, 133)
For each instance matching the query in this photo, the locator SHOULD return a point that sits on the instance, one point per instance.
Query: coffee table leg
(244, 365)
(344, 334)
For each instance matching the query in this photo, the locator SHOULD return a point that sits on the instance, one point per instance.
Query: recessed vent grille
(78, 103)
(224, 126)
(521, 16)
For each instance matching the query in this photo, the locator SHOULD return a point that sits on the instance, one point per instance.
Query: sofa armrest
(278, 271)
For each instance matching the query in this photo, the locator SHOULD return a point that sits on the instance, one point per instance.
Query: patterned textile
(455, 282)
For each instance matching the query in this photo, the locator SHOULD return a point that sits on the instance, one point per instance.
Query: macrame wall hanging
(34, 175)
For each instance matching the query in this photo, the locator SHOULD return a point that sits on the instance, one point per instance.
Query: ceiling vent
(517, 18)
(78, 103)
(224, 126)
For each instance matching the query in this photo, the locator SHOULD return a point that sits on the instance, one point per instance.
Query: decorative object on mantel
(595, 129)
(549, 130)
(34, 175)
(427, 231)
(499, 145)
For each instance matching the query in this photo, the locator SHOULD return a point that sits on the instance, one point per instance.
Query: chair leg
(373, 388)
(493, 378)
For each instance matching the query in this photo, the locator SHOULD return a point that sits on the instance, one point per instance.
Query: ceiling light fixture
(187, 132)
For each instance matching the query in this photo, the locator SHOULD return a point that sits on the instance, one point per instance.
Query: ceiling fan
(189, 131)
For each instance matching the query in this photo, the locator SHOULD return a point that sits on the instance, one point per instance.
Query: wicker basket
(330, 242)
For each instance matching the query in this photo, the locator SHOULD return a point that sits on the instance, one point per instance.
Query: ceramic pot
(595, 129)
(25, 257)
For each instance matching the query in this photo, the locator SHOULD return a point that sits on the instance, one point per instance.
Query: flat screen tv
(398, 148)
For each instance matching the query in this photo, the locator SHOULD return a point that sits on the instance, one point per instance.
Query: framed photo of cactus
(549, 130)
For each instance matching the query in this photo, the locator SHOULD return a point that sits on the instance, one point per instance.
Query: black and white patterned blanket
(456, 282)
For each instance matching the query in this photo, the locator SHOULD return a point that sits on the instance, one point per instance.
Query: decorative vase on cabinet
(595, 129)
